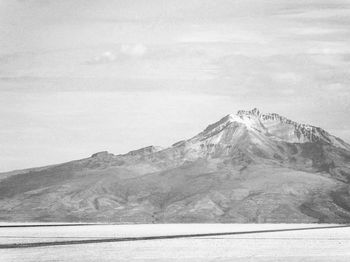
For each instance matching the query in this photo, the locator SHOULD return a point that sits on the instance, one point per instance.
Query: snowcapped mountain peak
(282, 128)
(248, 118)
(273, 126)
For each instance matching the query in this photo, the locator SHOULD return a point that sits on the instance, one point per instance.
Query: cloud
(133, 49)
(105, 57)
(123, 52)
(336, 87)
(289, 77)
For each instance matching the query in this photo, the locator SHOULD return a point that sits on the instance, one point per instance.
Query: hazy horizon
(78, 77)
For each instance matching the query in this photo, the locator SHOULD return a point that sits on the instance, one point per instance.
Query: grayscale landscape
(186, 130)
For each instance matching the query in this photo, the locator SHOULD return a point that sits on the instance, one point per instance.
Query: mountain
(247, 167)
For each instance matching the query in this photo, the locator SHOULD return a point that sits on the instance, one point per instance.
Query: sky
(82, 76)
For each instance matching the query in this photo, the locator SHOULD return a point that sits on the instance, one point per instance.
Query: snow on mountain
(282, 128)
(271, 125)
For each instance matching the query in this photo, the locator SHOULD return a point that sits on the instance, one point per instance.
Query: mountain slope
(247, 167)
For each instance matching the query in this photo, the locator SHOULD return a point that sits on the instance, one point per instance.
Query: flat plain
(248, 242)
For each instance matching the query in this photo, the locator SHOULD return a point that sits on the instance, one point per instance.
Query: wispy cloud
(105, 57)
(133, 49)
(124, 51)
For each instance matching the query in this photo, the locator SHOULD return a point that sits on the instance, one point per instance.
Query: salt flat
(324, 244)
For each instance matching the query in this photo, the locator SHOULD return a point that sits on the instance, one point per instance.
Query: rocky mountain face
(247, 167)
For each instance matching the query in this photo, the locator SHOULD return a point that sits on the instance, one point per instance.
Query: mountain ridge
(238, 117)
